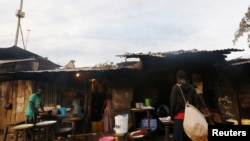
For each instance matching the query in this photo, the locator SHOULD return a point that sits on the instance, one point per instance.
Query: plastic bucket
(121, 124)
(153, 124)
(63, 111)
(94, 127)
(100, 126)
(147, 101)
(107, 138)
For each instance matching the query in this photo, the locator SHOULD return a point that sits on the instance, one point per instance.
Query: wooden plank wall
(16, 93)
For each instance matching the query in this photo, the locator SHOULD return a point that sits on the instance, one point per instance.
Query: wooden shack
(151, 77)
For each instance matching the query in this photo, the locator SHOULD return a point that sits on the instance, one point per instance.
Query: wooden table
(6, 130)
(46, 125)
(136, 110)
(73, 121)
(167, 124)
(60, 118)
(22, 128)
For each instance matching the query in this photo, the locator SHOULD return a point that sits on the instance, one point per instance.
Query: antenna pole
(19, 15)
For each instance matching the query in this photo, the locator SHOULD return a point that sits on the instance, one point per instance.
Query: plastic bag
(195, 124)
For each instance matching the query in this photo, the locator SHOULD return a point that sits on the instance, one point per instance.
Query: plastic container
(63, 111)
(107, 138)
(94, 127)
(55, 111)
(100, 126)
(245, 121)
(121, 124)
(153, 124)
(138, 105)
(147, 101)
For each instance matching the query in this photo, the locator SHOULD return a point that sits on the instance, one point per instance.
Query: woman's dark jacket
(177, 103)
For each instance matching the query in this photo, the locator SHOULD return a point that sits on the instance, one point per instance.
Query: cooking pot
(55, 111)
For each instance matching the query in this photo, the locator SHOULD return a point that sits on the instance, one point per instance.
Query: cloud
(92, 32)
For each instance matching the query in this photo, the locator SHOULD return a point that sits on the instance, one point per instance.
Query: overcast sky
(93, 32)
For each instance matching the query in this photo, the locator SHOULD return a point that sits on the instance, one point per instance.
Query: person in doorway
(201, 102)
(107, 116)
(202, 105)
(33, 106)
(177, 104)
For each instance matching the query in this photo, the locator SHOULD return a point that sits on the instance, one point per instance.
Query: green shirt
(36, 99)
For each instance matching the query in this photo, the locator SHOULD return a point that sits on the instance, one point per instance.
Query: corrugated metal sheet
(236, 62)
(179, 52)
(16, 60)
(174, 59)
(16, 53)
(150, 56)
(80, 69)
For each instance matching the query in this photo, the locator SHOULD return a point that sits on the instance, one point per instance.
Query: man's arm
(32, 104)
(42, 107)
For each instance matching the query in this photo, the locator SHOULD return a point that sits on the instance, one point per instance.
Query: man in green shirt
(34, 103)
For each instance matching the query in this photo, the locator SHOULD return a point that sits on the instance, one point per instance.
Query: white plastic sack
(195, 124)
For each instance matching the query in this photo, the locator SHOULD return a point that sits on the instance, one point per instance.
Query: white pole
(19, 15)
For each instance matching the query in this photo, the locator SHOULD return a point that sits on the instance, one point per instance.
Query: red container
(107, 138)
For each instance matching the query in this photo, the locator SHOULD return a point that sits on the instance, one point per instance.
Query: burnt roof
(192, 60)
(181, 58)
(179, 52)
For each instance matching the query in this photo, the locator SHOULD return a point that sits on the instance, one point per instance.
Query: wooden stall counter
(167, 122)
(9, 125)
(141, 110)
(22, 128)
